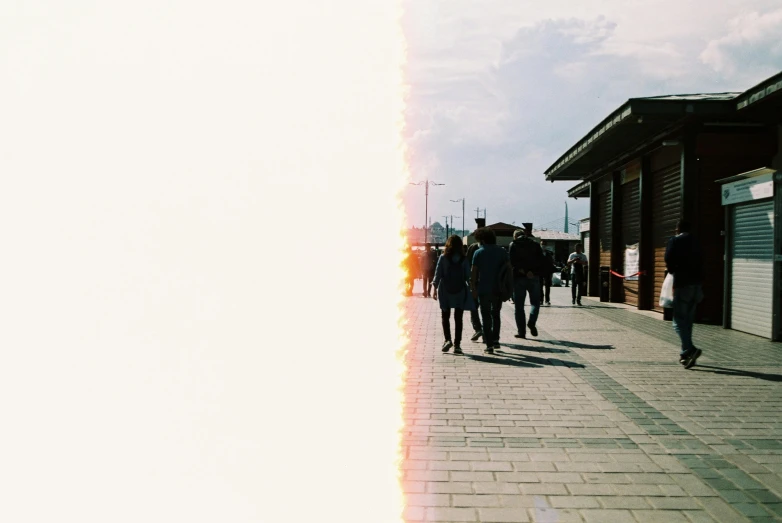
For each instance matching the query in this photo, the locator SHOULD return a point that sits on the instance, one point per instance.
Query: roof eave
(638, 111)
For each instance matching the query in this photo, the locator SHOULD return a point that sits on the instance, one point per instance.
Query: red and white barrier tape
(640, 273)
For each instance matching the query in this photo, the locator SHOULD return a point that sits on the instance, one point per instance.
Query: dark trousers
(578, 288)
(545, 289)
(490, 312)
(475, 319)
(457, 318)
(427, 284)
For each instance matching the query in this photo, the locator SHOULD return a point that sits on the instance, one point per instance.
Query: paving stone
(628, 502)
(673, 503)
(449, 487)
(573, 502)
(475, 500)
(607, 516)
(503, 515)
(451, 514)
(655, 516)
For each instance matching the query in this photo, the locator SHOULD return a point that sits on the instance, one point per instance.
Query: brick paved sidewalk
(592, 421)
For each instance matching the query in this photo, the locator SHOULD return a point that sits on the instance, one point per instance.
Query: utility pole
(426, 183)
(452, 228)
(463, 213)
(446, 227)
(566, 218)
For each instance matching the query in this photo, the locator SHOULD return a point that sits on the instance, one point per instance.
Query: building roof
(634, 123)
(766, 93)
(501, 227)
(545, 234)
(582, 190)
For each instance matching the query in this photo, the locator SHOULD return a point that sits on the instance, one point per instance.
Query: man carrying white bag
(682, 288)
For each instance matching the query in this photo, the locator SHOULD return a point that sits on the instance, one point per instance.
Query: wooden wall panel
(631, 230)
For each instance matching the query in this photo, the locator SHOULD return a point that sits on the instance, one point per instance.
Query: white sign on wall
(749, 189)
(631, 262)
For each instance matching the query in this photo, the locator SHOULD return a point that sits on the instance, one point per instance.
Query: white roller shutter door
(586, 244)
(752, 268)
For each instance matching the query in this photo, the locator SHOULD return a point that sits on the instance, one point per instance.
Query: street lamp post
(460, 200)
(426, 183)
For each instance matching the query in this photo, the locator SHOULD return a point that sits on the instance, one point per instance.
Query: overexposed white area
(199, 265)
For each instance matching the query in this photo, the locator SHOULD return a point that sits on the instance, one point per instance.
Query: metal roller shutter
(752, 268)
(631, 230)
(666, 207)
(586, 244)
(604, 223)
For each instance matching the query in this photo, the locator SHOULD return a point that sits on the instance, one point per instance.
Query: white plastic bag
(666, 293)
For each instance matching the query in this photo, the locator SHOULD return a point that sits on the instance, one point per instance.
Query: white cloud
(507, 86)
(753, 42)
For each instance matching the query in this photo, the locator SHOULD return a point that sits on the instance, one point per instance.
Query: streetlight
(460, 200)
(452, 228)
(427, 183)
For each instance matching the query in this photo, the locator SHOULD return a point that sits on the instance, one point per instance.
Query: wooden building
(656, 159)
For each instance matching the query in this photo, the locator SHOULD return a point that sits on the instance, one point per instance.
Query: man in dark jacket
(526, 258)
(475, 317)
(684, 260)
(487, 263)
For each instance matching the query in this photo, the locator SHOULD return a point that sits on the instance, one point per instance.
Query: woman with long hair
(452, 290)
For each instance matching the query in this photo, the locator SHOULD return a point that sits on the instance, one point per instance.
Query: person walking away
(684, 260)
(426, 263)
(411, 266)
(484, 284)
(526, 257)
(475, 317)
(577, 264)
(451, 290)
(546, 273)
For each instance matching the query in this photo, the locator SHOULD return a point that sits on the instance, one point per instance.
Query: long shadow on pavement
(736, 372)
(500, 359)
(506, 358)
(577, 345)
(532, 348)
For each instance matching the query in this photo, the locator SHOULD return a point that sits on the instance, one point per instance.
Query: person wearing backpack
(526, 257)
(451, 291)
(487, 264)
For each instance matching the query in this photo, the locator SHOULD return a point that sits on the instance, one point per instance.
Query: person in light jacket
(452, 291)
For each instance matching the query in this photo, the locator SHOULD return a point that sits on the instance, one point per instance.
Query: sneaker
(689, 361)
(447, 345)
(457, 350)
(548, 304)
(497, 345)
(682, 360)
(476, 335)
(488, 350)
(532, 330)
(520, 335)
(574, 302)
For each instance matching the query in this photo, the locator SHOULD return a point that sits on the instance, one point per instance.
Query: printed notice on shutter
(631, 262)
(747, 190)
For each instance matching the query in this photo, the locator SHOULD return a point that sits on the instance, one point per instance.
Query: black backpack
(453, 279)
(527, 254)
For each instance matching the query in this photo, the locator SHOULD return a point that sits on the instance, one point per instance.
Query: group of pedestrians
(468, 278)
(420, 266)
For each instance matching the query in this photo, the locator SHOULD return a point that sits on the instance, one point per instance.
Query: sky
(499, 89)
